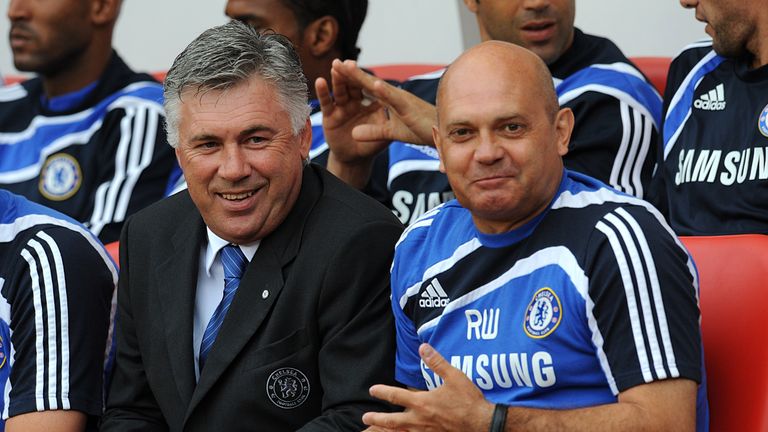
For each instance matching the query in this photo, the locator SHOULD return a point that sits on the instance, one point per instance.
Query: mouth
(239, 196)
(19, 37)
(539, 31)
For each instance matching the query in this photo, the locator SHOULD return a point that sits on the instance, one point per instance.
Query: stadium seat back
(402, 71)
(114, 251)
(733, 277)
(655, 69)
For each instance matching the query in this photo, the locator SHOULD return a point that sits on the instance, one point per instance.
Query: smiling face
(543, 26)
(500, 135)
(242, 162)
(47, 35)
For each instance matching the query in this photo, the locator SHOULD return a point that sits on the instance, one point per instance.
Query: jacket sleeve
(357, 329)
(131, 406)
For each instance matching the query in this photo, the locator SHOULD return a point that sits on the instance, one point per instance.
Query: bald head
(492, 62)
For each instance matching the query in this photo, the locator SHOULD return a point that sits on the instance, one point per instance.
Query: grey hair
(227, 55)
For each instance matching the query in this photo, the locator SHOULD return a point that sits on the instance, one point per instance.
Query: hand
(342, 111)
(410, 118)
(457, 405)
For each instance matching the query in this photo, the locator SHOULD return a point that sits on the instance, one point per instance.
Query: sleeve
(658, 193)
(644, 300)
(136, 170)
(60, 310)
(407, 359)
(356, 329)
(131, 406)
(613, 142)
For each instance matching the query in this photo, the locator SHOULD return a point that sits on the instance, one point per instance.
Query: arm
(460, 406)
(136, 163)
(60, 308)
(47, 421)
(355, 327)
(131, 406)
(363, 116)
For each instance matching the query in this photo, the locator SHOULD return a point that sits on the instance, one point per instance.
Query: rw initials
(483, 325)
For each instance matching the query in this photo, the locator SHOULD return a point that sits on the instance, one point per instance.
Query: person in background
(85, 136)
(713, 170)
(56, 284)
(257, 299)
(617, 111)
(558, 302)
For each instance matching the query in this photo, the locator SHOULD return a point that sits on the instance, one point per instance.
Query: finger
(437, 363)
(400, 100)
(371, 132)
(324, 96)
(393, 395)
(340, 90)
(387, 422)
(358, 76)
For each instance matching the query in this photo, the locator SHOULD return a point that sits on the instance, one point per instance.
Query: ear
(105, 11)
(305, 139)
(564, 126)
(438, 140)
(471, 5)
(319, 37)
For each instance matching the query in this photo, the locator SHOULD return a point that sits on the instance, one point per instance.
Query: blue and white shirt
(592, 297)
(97, 155)
(56, 288)
(713, 172)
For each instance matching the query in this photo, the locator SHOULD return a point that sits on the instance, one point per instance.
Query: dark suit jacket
(301, 358)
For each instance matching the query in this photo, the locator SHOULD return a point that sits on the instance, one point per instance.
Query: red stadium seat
(402, 71)
(114, 250)
(655, 68)
(733, 276)
(14, 79)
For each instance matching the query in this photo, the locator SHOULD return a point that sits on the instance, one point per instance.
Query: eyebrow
(240, 136)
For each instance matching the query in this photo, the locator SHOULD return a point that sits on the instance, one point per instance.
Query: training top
(98, 154)
(56, 284)
(616, 109)
(713, 172)
(593, 296)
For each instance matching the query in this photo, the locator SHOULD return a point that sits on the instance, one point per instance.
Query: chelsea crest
(543, 314)
(60, 177)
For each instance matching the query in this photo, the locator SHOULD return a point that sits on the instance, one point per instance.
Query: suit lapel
(177, 277)
(264, 273)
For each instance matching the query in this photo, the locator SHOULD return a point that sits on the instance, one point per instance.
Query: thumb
(436, 362)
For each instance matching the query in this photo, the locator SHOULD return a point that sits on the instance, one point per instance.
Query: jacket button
(264, 294)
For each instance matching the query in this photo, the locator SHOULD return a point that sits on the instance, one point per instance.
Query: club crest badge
(60, 177)
(762, 122)
(287, 388)
(543, 314)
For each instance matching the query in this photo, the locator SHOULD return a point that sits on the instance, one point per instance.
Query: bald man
(554, 300)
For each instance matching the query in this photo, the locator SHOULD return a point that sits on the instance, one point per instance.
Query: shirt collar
(216, 243)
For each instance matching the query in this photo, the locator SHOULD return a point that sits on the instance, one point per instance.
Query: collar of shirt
(216, 243)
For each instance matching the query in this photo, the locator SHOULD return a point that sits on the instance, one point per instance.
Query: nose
(489, 149)
(536, 4)
(689, 4)
(234, 164)
(16, 10)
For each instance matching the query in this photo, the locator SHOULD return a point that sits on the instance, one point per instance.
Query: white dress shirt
(210, 287)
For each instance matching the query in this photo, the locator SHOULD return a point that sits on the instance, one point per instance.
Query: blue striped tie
(234, 262)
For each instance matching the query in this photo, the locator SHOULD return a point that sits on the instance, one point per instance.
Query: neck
(80, 72)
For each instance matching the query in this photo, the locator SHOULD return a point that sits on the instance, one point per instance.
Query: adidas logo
(712, 101)
(434, 296)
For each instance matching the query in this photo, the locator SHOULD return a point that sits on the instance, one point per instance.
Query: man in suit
(294, 341)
